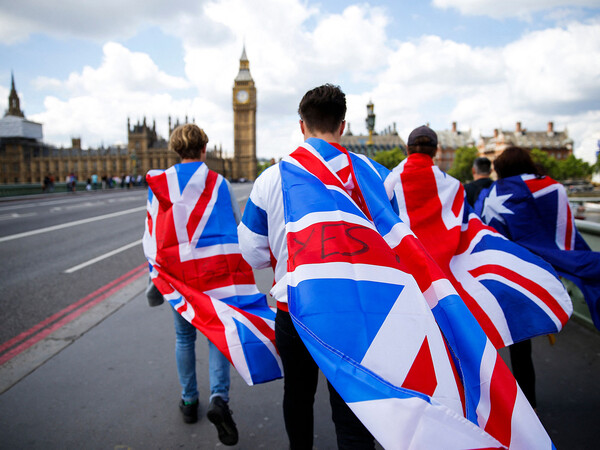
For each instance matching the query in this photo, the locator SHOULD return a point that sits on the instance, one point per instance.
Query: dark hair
(482, 165)
(422, 144)
(514, 161)
(188, 140)
(323, 108)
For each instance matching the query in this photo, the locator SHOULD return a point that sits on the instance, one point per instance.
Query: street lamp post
(370, 126)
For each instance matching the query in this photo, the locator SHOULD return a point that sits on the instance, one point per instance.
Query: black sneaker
(189, 411)
(220, 415)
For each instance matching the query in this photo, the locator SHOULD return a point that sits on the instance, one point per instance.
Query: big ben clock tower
(244, 122)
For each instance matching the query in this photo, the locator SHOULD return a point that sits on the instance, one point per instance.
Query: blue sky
(83, 68)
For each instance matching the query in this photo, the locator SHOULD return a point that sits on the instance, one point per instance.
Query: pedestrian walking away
(193, 274)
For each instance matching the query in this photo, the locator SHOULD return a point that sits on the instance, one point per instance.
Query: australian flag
(191, 244)
(514, 294)
(383, 323)
(534, 212)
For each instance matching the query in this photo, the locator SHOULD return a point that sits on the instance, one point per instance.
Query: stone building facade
(555, 143)
(25, 158)
(448, 142)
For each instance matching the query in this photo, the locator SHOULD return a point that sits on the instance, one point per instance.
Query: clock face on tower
(242, 96)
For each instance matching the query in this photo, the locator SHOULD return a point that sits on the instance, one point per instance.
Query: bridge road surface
(106, 378)
(113, 383)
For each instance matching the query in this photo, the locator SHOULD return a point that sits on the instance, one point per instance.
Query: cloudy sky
(82, 68)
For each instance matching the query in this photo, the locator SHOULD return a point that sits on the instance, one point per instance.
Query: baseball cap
(423, 131)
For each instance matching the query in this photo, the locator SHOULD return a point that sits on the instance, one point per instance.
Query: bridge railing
(590, 231)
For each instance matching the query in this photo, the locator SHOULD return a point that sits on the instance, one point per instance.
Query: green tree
(263, 164)
(570, 168)
(548, 163)
(463, 163)
(575, 168)
(389, 158)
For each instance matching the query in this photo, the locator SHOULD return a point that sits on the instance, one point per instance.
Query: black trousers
(522, 368)
(299, 387)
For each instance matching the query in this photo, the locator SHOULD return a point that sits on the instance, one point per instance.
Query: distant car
(242, 180)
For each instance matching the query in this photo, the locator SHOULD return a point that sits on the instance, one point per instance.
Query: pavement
(107, 380)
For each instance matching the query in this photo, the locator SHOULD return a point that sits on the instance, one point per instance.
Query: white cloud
(99, 100)
(556, 70)
(87, 19)
(292, 48)
(548, 75)
(4, 92)
(510, 8)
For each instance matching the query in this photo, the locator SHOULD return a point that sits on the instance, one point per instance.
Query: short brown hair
(422, 145)
(188, 140)
(422, 140)
(323, 108)
(514, 161)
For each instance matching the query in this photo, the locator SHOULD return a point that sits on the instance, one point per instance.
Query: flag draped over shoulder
(534, 212)
(191, 244)
(385, 326)
(513, 294)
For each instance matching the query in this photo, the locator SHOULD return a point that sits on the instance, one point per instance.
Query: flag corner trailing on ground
(191, 244)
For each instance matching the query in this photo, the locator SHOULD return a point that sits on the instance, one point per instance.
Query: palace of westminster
(24, 158)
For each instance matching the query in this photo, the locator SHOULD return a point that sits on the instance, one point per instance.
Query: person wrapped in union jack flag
(532, 209)
(263, 243)
(361, 299)
(485, 268)
(191, 244)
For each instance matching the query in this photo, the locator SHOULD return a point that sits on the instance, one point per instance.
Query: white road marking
(70, 224)
(101, 257)
(15, 216)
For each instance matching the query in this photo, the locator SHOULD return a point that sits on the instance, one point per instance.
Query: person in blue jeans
(189, 141)
(185, 355)
(218, 374)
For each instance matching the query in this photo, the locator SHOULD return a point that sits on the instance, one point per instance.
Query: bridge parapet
(590, 231)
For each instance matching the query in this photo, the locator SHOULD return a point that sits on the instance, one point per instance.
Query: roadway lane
(58, 250)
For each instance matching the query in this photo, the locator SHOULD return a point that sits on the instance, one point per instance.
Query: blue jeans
(185, 354)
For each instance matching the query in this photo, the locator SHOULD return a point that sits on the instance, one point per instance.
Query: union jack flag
(191, 244)
(534, 212)
(383, 323)
(513, 294)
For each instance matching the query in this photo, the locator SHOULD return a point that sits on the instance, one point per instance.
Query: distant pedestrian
(46, 184)
(482, 168)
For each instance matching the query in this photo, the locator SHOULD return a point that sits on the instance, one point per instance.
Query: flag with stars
(534, 212)
(191, 244)
(384, 325)
(514, 294)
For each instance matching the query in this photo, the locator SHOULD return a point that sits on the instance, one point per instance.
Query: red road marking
(23, 340)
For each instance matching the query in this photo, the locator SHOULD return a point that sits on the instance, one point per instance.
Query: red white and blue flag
(191, 244)
(534, 212)
(385, 326)
(513, 294)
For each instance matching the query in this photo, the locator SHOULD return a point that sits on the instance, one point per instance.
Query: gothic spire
(14, 104)
(244, 72)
